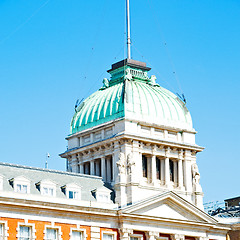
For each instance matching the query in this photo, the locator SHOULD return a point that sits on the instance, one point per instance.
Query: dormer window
(73, 194)
(48, 191)
(72, 191)
(21, 188)
(102, 194)
(47, 188)
(20, 184)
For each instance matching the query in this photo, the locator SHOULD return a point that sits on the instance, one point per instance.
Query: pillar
(162, 170)
(167, 173)
(92, 168)
(81, 168)
(175, 169)
(154, 172)
(180, 173)
(103, 171)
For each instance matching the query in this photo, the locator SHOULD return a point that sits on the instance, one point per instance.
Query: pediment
(169, 205)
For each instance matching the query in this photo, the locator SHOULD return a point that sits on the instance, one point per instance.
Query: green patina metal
(131, 94)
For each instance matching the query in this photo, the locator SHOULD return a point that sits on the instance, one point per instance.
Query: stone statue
(153, 80)
(105, 83)
(128, 75)
(121, 163)
(196, 177)
(130, 162)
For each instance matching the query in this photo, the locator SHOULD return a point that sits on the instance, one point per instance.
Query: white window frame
(83, 231)
(57, 228)
(138, 236)
(5, 229)
(21, 181)
(114, 234)
(48, 184)
(31, 226)
(74, 188)
(161, 238)
(102, 192)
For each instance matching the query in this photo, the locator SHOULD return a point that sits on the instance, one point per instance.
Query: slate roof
(35, 175)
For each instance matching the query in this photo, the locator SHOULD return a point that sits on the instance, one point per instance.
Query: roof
(131, 94)
(60, 178)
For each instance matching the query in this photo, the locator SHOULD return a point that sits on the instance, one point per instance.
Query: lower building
(53, 205)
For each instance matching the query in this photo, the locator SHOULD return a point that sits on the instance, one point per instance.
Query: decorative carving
(152, 80)
(121, 163)
(195, 173)
(196, 178)
(130, 163)
(128, 75)
(105, 83)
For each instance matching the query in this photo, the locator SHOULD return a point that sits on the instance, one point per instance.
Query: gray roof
(60, 178)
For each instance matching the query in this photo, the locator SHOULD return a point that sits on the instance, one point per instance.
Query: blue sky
(54, 52)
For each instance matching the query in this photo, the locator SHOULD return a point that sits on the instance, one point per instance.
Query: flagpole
(128, 32)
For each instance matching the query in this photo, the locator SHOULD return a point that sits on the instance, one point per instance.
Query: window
(108, 236)
(73, 195)
(21, 188)
(24, 233)
(136, 237)
(46, 187)
(51, 234)
(77, 235)
(103, 198)
(48, 191)
(1, 231)
(144, 166)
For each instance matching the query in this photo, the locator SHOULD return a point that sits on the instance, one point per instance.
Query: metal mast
(128, 32)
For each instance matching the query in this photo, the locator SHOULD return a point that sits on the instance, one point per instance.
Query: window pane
(107, 237)
(71, 194)
(134, 238)
(24, 189)
(76, 235)
(18, 188)
(24, 233)
(51, 191)
(51, 234)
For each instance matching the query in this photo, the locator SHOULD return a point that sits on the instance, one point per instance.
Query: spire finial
(128, 32)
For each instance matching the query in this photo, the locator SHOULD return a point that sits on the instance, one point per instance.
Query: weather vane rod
(128, 32)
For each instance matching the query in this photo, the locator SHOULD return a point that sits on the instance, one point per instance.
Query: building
(131, 172)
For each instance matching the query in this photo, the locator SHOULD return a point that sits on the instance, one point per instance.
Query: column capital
(152, 234)
(178, 237)
(125, 232)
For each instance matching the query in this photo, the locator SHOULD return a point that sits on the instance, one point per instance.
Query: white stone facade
(138, 160)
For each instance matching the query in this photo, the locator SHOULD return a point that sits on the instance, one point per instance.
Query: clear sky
(57, 51)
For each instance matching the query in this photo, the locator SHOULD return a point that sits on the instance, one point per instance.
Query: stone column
(152, 235)
(125, 233)
(162, 170)
(92, 168)
(167, 173)
(81, 168)
(178, 237)
(103, 171)
(188, 171)
(154, 172)
(167, 170)
(180, 169)
(108, 169)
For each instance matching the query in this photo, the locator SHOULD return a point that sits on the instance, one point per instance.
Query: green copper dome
(132, 95)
